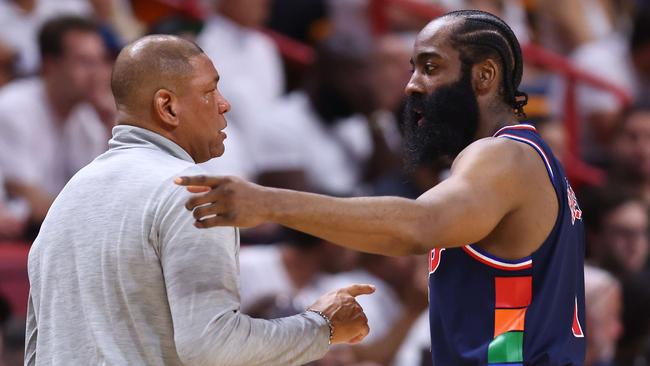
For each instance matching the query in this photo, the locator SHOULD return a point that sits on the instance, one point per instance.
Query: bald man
(119, 276)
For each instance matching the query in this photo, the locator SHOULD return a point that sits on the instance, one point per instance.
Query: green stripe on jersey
(507, 347)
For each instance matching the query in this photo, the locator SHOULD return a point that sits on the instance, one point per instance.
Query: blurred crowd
(327, 119)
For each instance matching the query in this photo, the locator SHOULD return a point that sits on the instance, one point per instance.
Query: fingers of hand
(359, 289)
(214, 195)
(198, 189)
(213, 221)
(199, 180)
(204, 211)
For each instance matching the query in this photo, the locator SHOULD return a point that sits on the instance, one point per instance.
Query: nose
(224, 105)
(414, 86)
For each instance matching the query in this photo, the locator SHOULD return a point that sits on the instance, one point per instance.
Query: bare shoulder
(494, 156)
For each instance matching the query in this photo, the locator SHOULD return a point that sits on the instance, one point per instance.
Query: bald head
(149, 64)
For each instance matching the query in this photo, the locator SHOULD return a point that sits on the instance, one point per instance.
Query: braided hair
(483, 35)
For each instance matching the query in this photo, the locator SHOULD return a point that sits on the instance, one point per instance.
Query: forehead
(81, 40)
(204, 71)
(434, 40)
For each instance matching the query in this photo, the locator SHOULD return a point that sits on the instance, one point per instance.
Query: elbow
(191, 353)
(411, 239)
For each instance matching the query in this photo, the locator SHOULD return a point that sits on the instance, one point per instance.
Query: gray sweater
(120, 276)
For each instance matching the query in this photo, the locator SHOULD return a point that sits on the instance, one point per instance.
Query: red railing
(533, 54)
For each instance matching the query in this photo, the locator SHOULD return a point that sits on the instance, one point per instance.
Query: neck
(60, 104)
(126, 118)
(492, 121)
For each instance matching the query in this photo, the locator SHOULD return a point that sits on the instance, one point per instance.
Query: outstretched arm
(465, 208)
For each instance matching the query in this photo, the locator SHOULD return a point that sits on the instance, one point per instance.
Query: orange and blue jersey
(486, 310)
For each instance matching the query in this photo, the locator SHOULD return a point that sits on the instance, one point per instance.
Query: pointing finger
(199, 180)
(358, 289)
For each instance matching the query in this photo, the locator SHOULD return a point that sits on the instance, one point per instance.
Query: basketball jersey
(484, 310)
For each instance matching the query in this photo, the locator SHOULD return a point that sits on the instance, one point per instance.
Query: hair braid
(483, 35)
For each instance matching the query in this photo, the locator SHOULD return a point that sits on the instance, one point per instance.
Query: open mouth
(419, 117)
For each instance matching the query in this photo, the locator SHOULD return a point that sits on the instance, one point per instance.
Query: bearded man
(504, 231)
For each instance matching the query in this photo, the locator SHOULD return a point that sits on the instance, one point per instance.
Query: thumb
(359, 289)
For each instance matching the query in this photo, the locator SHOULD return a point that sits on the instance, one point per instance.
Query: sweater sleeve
(201, 272)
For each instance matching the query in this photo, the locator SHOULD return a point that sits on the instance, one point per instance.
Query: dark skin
(499, 194)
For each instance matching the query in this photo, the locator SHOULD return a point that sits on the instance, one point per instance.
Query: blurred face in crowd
(605, 327)
(390, 75)
(625, 236)
(200, 111)
(632, 146)
(442, 112)
(248, 13)
(335, 259)
(82, 66)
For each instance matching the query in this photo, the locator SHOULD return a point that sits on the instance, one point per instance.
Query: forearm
(382, 225)
(236, 339)
(201, 276)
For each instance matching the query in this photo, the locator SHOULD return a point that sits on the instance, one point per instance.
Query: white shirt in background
(34, 147)
(294, 137)
(262, 274)
(19, 29)
(251, 79)
(416, 342)
(236, 159)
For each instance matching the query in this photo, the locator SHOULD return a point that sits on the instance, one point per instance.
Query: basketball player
(504, 231)
(118, 274)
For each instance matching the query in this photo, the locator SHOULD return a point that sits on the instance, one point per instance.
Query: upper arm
(200, 272)
(484, 187)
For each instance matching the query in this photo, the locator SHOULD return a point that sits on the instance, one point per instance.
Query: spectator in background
(614, 56)
(617, 233)
(5, 314)
(253, 75)
(634, 345)
(7, 60)
(272, 275)
(12, 221)
(54, 124)
(604, 302)
(630, 152)
(323, 136)
(553, 132)
(20, 21)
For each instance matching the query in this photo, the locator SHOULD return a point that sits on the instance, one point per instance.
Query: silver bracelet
(329, 324)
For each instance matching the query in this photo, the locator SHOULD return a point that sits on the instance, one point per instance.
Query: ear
(485, 76)
(165, 105)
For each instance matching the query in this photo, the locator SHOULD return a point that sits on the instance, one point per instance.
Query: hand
(234, 201)
(349, 323)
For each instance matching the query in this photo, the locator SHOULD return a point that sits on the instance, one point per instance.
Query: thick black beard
(451, 119)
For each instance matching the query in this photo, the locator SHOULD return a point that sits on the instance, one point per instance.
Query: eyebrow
(426, 55)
